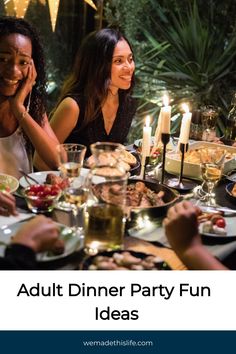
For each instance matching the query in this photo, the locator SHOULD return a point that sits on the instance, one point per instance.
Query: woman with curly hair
(95, 103)
(24, 125)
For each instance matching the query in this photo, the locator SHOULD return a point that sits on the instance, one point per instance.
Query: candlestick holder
(144, 164)
(165, 138)
(180, 183)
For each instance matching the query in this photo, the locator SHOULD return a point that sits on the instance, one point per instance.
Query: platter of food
(67, 244)
(129, 160)
(124, 260)
(8, 183)
(192, 159)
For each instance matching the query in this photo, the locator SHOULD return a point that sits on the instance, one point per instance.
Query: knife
(215, 209)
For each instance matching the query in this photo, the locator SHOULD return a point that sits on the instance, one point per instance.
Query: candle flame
(147, 121)
(165, 100)
(185, 107)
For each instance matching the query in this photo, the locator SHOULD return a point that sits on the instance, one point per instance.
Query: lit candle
(163, 125)
(147, 133)
(185, 125)
(165, 114)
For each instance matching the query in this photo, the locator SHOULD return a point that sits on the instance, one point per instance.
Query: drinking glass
(209, 116)
(212, 164)
(71, 157)
(104, 215)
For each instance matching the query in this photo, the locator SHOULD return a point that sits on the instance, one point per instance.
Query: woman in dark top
(96, 103)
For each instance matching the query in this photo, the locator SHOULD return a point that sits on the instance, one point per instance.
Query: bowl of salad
(8, 183)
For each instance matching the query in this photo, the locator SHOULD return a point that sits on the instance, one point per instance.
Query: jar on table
(104, 216)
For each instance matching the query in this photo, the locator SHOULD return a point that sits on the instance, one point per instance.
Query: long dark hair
(10, 25)
(91, 74)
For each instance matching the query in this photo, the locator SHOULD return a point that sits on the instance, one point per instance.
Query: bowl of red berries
(41, 198)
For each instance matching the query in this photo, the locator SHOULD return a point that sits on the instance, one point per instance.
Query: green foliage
(189, 51)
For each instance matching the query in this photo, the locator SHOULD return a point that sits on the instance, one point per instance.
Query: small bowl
(229, 194)
(41, 198)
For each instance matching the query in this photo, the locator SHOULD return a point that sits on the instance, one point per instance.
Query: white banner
(118, 300)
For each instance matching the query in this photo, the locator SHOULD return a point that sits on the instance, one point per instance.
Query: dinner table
(151, 241)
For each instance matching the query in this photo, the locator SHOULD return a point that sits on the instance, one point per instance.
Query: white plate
(72, 242)
(41, 177)
(9, 181)
(230, 229)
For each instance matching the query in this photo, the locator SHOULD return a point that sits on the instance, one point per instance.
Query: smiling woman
(23, 122)
(95, 103)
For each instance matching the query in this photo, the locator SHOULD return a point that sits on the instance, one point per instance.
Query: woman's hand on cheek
(17, 102)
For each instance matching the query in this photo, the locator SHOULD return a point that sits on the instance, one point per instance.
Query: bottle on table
(230, 130)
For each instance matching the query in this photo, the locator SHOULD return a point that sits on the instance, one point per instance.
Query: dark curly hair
(91, 72)
(10, 25)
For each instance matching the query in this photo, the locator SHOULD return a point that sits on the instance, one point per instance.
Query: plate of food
(67, 244)
(124, 260)
(128, 159)
(217, 228)
(8, 183)
(47, 177)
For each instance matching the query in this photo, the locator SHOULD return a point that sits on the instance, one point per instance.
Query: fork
(27, 178)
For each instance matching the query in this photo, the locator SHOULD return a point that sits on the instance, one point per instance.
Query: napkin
(8, 220)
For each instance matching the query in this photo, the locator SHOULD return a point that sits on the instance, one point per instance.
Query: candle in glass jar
(165, 116)
(147, 133)
(185, 126)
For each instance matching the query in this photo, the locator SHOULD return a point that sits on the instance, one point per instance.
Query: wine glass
(211, 164)
(71, 157)
(209, 116)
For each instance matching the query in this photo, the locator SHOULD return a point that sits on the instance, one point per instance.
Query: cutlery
(27, 178)
(225, 210)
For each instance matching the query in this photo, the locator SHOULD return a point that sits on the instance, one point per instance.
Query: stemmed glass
(211, 164)
(71, 157)
(209, 116)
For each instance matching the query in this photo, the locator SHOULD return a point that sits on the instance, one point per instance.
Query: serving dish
(10, 182)
(72, 242)
(90, 262)
(152, 212)
(192, 170)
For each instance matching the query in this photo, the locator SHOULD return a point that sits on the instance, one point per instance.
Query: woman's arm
(65, 118)
(42, 138)
(62, 123)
